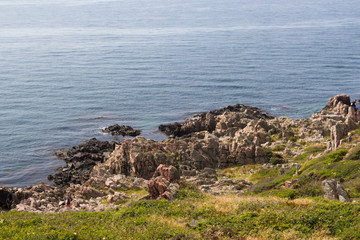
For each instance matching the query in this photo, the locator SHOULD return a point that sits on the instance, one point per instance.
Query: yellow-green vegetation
(329, 166)
(195, 215)
(342, 165)
(310, 149)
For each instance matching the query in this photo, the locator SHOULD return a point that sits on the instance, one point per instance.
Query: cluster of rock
(123, 130)
(88, 196)
(36, 198)
(217, 139)
(97, 172)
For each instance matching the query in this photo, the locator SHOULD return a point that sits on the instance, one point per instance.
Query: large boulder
(164, 183)
(157, 187)
(334, 191)
(339, 105)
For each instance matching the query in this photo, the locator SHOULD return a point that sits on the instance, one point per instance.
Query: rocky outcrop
(337, 105)
(80, 161)
(50, 199)
(140, 157)
(338, 108)
(160, 188)
(123, 130)
(334, 191)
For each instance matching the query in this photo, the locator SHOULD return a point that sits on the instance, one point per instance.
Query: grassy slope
(269, 211)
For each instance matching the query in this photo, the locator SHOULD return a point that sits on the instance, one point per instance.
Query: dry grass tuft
(224, 203)
(178, 222)
(230, 203)
(302, 202)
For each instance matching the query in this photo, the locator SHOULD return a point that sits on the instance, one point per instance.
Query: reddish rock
(157, 187)
(170, 173)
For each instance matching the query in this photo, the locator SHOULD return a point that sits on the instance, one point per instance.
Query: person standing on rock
(356, 113)
(67, 201)
(355, 105)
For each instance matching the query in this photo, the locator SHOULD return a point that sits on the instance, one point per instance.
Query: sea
(69, 68)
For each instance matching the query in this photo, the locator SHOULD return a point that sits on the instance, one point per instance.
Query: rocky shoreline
(98, 174)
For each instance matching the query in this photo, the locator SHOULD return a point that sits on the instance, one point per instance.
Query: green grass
(217, 217)
(278, 148)
(332, 165)
(313, 149)
(354, 154)
(316, 148)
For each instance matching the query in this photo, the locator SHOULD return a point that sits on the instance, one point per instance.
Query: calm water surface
(71, 67)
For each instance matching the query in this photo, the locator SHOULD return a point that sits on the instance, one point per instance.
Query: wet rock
(334, 191)
(80, 161)
(6, 198)
(123, 130)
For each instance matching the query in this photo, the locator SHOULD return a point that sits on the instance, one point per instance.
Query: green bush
(274, 157)
(317, 148)
(288, 193)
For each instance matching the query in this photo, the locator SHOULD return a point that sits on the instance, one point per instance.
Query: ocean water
(68, 68)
